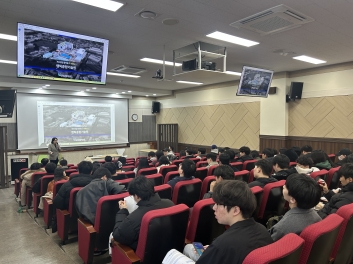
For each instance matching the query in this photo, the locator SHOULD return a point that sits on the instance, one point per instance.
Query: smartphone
(198, 247)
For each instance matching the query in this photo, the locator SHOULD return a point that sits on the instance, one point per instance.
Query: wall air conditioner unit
(128, 70)
(273, 20)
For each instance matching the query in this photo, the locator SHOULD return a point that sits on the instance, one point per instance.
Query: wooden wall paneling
(143, 131)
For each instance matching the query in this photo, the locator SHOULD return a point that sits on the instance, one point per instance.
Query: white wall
(140, 106)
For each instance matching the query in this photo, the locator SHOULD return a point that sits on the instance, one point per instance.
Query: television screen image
(50, 54)
(254, 82)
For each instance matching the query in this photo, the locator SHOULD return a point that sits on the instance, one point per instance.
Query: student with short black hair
(63, 164)
(306, 149)
(224, 160)
(305, 165)
(159, 154)
(44, 161)
(234, 206)
(108, 159)
(163, 161)
(50, 167)
(186, 171)
(281, 167)
(302, 193)
(231, 154)
(211, 159)
(127, 225)
(111, 168)
(223, 172)
(122, 160)
(143, 164)
(321, 160)
(244, 154)
(268, 154)
(152, 157)
(201, 152)
(255, 154)
(262, 174)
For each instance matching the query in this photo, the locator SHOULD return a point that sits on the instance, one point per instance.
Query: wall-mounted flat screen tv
(254, 82)
(50, 54)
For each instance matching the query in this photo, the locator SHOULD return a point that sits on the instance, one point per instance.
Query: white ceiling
(329, 37)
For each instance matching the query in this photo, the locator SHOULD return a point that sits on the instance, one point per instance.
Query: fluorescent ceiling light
(309, 59)
(146, 95)
(129, 91)
(8, 37)
(8, 61)
(123, 75)
(198, 83)
(47, 85)
(123, 92)
(233, 73)
(154, 94)
(105, 4)
(232, 39)
(160, 62)
(94, 88)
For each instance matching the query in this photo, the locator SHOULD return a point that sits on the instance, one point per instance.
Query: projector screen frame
(104, 62)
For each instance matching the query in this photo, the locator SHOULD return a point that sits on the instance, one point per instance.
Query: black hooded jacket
(283, 174)
(262, 182)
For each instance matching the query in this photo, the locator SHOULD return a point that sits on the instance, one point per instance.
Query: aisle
(25, 240)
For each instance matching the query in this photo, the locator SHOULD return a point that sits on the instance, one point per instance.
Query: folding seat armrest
(63, 219)
(86, 240)
(126, 252)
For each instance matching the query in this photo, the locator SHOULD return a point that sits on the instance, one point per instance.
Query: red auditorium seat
(128, 168)
(95, 237)
(258, 192)
(67, 219)
(242, 175)
(154, 243)
(69, 171)
(74, 173)
(164, 191)
(251, 176)
(203, 226)
(201, 164)
(317, 175)
(44, 181)
(211, 170)
(18, 182)
(332, 179)
(284, 251)
(147, 171)
(165, 169)
(48, 208)
(320, 239)
(124, 175)
(343, 249)
(35, 177)
(249, 165)
(70, 165)
(177, 162)
(238, 165)
(292, 164)
(206, 185)
(125, 182)
(332, 157)
(170, 175)
(157, 178)
(73, 167)
(194, 159)
(201, 173)
(187, 192)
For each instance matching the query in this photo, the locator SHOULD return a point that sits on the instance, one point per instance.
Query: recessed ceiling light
(87, 90)
(154, 94)
(232, 39)
(233, 73)
(8, 61)
(160, 62)
(123, 75)
(146, 95)
(47, 85)
(94, 88)
(105, 4)
(129, 91)
(198, 83)
(309, 59)
(8, 37)
(122, 92)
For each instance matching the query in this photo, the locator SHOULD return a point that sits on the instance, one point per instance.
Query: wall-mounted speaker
(296, 89)
(156, 107)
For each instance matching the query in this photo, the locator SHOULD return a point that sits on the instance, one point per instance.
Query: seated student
(169, 154)
(96, 165)
(122, 160)
(341, 155)
(297, 151)
(291, 154)
(27, 180)
(61, 200)
(302, 193)
(111, 167)
(44, 161)
(159, 154)
(152, 157)
(127, 226)
(171, 150)
(214, 149)
(339, 197)
(163, 161)
(234, 205)
(189, 153)
(224, 160)
(223, 172)
(306, 149)
(321, 160)
(231, 154)
(262, 174)
(244, 154)
(108, 159)
(211, 159)
(186, 171)
(201, 152)
(220, 151)
(268, 154)
(255, 155)
(143, 164)
(101, 185)
(63, 164)
(305, 165)
(281, 167)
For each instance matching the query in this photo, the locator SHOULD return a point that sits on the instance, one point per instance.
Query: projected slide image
(78, 124)
(57, 56)
(254, 82)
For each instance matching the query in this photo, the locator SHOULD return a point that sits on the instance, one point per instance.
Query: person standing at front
(53, 150)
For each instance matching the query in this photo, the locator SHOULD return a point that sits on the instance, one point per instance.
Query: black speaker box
(296, 89)
(156, 107)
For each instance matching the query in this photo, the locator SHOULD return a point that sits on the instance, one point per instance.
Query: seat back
(125, 182)
(206, 185)
(157, 178)
(319, 240)
(44, 181)
(73, 167)
(203, 226)
(170, 175)
(177, 162)
(164, 191)
(249, 165)
(211, 170)
(69, 171)
(187, 192)
(37, 175)
(70, 165)
(317, 175)
(238, 165)
(292, 164)
(284, 251)
(332, 157)
(165, 169)
(107, 207)
(128, 168)
(72, 202)
(343, 248)
(194, 159)
(332, 179)
(74, 173)
(242, 175)
(162, 230)
(201, 173)
(201, 163)
(124, 175)
(251, 176)
(258, 192)
(57, 187)
(23, 170)
(147, 171)
(272, 200)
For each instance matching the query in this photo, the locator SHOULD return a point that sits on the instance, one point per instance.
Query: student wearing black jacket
(262, 172)
(244, 154)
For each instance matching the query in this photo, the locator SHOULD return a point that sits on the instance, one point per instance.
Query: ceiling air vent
(273, 20)
(128, 70)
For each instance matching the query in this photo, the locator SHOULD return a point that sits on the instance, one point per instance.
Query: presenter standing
(53, 150)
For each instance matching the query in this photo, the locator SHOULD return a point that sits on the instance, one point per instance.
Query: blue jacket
(177, 179)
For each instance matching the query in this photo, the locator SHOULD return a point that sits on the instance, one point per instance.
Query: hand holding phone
(198, 248)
